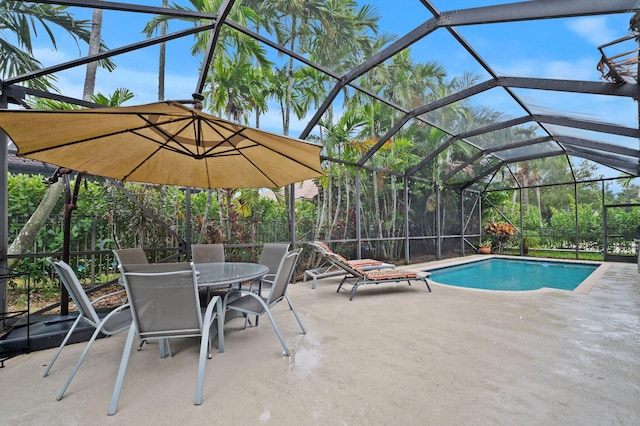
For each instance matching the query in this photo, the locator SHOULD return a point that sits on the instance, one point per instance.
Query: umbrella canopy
(164, 143)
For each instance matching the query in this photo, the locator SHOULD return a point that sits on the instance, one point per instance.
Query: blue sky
(554, 48)
(548, 48)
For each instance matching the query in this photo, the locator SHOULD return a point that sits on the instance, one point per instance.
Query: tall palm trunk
(205, 217)
(289, 94)
(394, 210)
(347, 204)
(94, 47)
(376, 202)
(338, 202)
(162, 57)
(322, 220)
(221, 214)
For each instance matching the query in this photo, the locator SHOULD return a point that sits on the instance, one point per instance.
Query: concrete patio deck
(395, 355)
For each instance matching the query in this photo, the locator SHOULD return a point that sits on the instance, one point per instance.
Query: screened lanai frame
(554, 133)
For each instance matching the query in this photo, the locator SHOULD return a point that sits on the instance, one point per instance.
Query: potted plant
(485, 246)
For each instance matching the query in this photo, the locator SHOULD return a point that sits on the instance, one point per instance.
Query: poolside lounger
(328, 269)
(357, 277)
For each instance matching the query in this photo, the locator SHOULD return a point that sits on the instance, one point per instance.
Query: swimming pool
(514, 274)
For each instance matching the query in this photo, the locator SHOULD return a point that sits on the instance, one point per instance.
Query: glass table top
(227, 273)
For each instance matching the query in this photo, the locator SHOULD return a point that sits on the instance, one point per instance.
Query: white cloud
(271, 121)
(144, 84)
(579, 69)
(593, 29)
(48, 56)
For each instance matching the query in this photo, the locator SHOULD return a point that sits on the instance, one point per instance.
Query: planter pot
(484, 250)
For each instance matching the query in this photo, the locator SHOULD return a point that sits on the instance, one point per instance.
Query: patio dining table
(223, 275)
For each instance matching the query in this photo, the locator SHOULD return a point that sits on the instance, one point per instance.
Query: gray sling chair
(250, 303)
(117, 320)
(131, 255)
(271, 256)
(135, 256)
(207, 253)
(164, 304)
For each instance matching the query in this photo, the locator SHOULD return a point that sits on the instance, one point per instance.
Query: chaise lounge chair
(357, 277)
(329, 269)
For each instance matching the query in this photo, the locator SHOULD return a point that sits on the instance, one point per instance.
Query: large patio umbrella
(163, 143)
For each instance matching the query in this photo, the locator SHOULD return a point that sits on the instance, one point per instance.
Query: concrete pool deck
(396, 354)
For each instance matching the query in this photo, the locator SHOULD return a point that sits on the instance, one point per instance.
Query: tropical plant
(485, 242)
(499, 233)
(530, 242)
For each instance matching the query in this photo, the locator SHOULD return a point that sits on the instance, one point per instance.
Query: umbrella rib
(257, 143)
(239, 150)
(235, 149)
(134, 130)
(222, 137)
(160, 146)
(172, 138)
(140, 163)
(70, 143)
(282, 154)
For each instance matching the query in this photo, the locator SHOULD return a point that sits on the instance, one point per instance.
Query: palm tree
(375, 80)
(232, 89)
(353, 30)
(231, 42)
(291, 20)
(23, 20)
(337, 142)
(162, 57)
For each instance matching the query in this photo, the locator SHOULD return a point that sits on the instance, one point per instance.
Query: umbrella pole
(66, 243)
(70, 201)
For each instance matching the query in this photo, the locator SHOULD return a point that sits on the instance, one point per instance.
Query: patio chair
(360, 277)
(135, 256)
(328, 269)
(250, 303)
(131, 255)
(165, 305)
(207, 253)
(117, 320)
(271, 256)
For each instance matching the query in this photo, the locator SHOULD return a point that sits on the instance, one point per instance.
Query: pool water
(514, 274)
